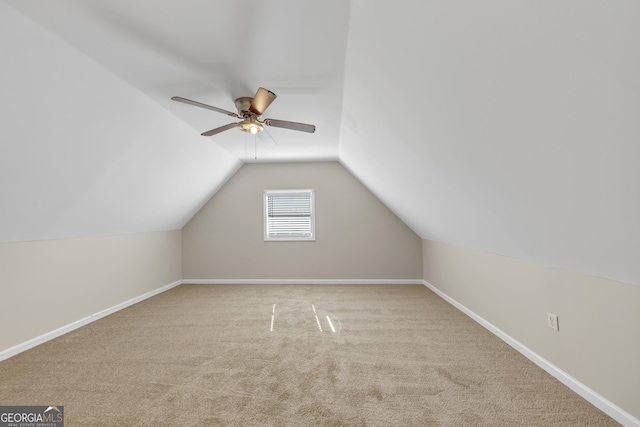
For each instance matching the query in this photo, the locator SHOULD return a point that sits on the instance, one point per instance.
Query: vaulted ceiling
(507, 126)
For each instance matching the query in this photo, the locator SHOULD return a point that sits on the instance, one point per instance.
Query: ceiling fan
(250, 112)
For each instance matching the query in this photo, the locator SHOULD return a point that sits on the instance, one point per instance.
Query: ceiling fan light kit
(250, 110)
(250, 126)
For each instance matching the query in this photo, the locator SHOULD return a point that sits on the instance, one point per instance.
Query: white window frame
(269, 236)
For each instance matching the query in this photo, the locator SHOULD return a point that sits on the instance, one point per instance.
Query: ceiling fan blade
(266, 138)
(261, 101)
(201, 105)
(303, 127)
(220, 129)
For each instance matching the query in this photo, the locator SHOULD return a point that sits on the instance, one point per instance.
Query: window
(289, 215)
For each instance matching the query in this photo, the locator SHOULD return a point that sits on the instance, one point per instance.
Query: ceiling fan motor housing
(242, 104)
(250, 124)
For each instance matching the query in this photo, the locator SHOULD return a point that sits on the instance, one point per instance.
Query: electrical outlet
(552, 321)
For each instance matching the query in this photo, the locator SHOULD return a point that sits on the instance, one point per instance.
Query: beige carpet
(202, 355)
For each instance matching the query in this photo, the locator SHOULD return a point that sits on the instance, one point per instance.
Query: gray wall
(357, 236)
(599, 338)
(49, 284)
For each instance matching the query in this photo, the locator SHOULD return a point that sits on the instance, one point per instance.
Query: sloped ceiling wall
(83, 153)
(510, 127)
(214, 51)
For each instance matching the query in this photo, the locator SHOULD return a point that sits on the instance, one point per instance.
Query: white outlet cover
(552, 321)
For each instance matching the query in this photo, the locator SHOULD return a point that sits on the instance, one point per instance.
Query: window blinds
(289, 215)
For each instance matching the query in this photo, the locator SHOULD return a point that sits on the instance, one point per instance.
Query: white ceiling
(507, 126)
(215, 52)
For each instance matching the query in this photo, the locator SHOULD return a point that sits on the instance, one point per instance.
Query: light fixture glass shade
(250, 126)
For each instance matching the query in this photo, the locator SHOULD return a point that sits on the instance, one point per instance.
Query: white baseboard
(12, 351)
(588, 394)
(304, 281)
